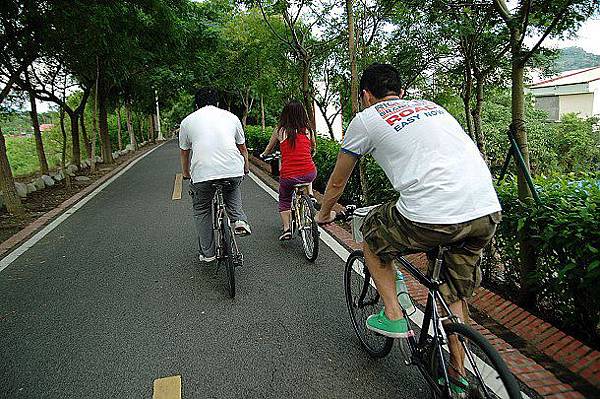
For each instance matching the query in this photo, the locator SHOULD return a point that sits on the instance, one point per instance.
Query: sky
(588, 38)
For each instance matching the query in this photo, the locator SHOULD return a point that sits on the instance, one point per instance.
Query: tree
(37, 134)
(300, 21)
(48, 81)
(21, 30)
(529, 17)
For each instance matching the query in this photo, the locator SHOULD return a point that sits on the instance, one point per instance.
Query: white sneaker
(206, 259)
(241, 228)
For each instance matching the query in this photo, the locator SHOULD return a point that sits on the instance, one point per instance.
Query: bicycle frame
(218, 212)
(433, 285)
(295, 210)
(431, 317)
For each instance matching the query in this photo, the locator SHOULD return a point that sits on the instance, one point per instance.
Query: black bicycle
(302, 218)
(427, 347)
(226, 250)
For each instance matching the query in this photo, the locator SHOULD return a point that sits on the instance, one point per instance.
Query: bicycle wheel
(487, 374)
(309, 230)
(363, 300)
(229, 256)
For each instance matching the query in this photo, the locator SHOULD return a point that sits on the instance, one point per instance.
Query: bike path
(114, 298)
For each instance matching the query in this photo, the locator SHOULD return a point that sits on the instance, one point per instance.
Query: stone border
(558, 346)
(33, 227)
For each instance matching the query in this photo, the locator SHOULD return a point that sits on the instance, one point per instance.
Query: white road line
(14, 255)
(417, 317)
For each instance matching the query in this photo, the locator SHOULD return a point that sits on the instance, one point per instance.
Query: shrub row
(565, 228)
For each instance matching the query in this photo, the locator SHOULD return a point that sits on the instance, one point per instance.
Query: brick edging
(557, 345)
(25, 233)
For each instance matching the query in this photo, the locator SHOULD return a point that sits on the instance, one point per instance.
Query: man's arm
(244, 151)
(185, 163)
(335, 186)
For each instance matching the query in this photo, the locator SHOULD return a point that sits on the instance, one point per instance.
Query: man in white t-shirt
(214, 138)
(445, 187)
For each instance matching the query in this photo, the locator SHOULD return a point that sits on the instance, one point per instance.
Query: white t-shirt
(212, 134)
(428, 158)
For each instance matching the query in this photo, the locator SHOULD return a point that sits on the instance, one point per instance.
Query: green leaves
(566, 229)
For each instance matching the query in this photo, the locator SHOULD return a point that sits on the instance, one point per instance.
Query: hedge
(565, 229)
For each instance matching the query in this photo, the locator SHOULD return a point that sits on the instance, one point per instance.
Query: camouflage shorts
(389, 235)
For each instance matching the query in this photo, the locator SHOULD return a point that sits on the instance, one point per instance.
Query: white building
(575, 91)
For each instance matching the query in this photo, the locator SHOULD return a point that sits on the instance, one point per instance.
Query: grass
(22, 154)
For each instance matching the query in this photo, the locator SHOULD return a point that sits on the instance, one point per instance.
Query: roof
(575, 76)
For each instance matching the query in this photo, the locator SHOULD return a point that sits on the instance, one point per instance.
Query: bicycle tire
(377, 346)
(228, 257)
(307, 214)
(485, 368)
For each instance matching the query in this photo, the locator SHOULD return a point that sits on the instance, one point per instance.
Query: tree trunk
(142, 129)
(479, 137)
(130, 131)
(86, 140)
(7, 183)
(262, 113)
(151, 127)
(119, 128)
(37, 134)
(527, 253)
(95, 119)
(63, 154)
(352, 56)
(76, 148)
(105, 146)
(466, 97)
(306, 93)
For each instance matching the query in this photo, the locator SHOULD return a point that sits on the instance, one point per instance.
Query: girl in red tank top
(297, 143)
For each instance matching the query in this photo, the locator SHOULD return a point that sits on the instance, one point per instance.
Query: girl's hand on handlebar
(323, 220)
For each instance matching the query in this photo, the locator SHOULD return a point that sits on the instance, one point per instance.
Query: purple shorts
(286, 188)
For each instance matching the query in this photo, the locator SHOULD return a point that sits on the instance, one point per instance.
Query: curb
(18, 238)
(571, 354)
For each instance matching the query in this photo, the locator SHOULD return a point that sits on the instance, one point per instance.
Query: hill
(575, 58)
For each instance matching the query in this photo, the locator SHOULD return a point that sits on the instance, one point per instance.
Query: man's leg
(232, 196)
(202, 195)
(462, 276)
(384, 276)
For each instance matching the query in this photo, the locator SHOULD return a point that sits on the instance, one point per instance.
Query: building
(575, 91)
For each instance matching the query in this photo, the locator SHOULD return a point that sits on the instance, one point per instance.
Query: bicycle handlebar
(271, 157)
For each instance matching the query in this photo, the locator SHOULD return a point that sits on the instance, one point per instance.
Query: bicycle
(428, 350)
(302, 221)
(226, 248)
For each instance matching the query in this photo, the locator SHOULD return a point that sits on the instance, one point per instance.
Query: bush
(565, 228)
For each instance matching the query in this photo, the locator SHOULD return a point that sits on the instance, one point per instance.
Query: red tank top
(296, 161)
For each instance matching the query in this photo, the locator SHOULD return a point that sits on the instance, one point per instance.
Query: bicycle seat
(301, 185)
(221, 184)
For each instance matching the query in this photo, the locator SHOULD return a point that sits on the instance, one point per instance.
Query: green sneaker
(454, 387)
(390, 328)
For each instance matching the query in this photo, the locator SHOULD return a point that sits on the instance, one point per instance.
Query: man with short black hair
(214, 138)
(446, 196)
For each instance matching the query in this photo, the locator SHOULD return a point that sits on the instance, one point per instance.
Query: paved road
(114, 298)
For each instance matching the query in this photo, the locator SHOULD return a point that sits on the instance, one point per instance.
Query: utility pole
(160, 136)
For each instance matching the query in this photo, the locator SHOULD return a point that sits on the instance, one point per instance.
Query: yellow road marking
(167, 388)
(177, 188)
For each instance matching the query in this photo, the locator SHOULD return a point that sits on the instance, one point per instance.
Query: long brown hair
(293, 120)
